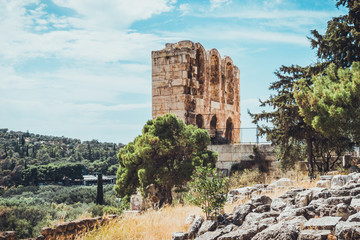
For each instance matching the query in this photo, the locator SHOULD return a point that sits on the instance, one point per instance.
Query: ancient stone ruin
(199, 87)
(328, 211)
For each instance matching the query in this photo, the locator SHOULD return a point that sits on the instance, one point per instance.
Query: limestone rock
(354, 218)
(282, 183)
(339, 181)
(324, 223)
(240, 212)
(279, 231)
(355, 203)
(338, 200)
(314, 235)
(241, 234)
(342, 210)
(260, 200)
(137, 202)
(262, 208)
(278, 204)
(215, 234)
(347, 230)
(323, 184)
(179, 236)
(195, 226)
(303, 198)
(190, 219)
(290, 213)
(208, 225)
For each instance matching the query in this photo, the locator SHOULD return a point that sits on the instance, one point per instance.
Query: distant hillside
(28, 158)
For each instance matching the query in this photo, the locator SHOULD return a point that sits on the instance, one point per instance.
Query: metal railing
(247, 134)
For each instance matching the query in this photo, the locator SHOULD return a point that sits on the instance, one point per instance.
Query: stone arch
(229, 129)
(215, 75)
(200, 66)
(229, 74)
(213, 123)
(199, 121)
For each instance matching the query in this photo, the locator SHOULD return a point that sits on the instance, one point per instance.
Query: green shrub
(207, 190)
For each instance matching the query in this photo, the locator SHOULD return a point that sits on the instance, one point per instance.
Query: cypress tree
(100, 192)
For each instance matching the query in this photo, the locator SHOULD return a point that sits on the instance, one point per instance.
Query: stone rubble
(328, 211)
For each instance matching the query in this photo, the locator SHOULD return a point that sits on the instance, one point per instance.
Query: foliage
(207, 190)
(331, 104)
(27, 209)
(340, 46)
(164, 155)
(55, 158)
(296, 153)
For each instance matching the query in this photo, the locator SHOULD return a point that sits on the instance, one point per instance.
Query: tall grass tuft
(150, 225)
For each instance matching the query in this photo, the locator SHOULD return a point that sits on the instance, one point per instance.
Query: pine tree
(338, 46)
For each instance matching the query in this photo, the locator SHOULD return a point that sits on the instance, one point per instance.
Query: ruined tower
(199, 87)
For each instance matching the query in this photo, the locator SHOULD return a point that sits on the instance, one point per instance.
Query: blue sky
(82, 68)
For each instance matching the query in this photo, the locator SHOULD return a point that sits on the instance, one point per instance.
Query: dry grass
(162, 224)
(150, 225)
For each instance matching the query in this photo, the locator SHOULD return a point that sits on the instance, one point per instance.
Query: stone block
(136, 202)
(323, 223)
(347, 230)
(195, 226)
(314, 235)
(323, 184)
(339, 181)
(355, 203)
(179, 236)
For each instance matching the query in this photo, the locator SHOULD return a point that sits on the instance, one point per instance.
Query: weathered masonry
(199, 87)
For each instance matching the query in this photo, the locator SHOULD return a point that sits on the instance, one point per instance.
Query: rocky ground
(328, 211)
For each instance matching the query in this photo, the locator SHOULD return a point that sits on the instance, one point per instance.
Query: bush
(207, 190)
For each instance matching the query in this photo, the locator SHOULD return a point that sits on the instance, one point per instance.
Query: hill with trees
(29, 159)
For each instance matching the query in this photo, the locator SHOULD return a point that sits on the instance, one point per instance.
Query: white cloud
(184, 8)
(236, 34)
(218, 3)
(114, 14)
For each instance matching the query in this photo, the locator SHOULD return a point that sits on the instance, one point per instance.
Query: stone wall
(198, 86)
(231, 154)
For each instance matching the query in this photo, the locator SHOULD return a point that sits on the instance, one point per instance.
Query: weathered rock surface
(300, 214)
(279, 231)
(324, 223)
(314, 235)
(347, 230)
(179, 236)
(195, 226)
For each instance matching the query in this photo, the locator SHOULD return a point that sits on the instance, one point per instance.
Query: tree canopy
(331, 104)
(164, 155)
(338, 46)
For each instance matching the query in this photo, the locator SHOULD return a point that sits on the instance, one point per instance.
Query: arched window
(229, 129)
(200, 65)
(215, 78)
(229, 83)
(213, 123)
(199, 121)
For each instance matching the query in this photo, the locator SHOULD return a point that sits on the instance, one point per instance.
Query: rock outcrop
(327, 212)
